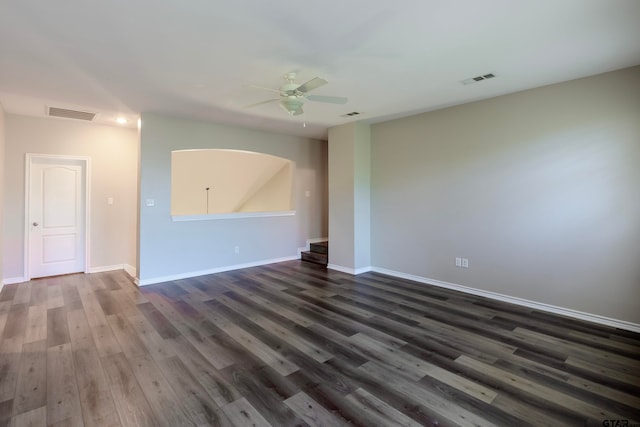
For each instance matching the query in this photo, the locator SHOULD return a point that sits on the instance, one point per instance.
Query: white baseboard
(210, 271)
(105, 268)
(594, 318)
(348, 270)
(131, 270)
(90, 270)
(12, 280)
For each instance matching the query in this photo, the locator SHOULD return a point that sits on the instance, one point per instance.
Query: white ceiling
(194, 58)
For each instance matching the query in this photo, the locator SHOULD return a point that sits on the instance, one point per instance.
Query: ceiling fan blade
(263, 88)
(261, 102)
(311, 85)
(330, 99)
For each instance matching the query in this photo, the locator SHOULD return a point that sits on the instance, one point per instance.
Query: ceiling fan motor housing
(292, 103)
(289, 88)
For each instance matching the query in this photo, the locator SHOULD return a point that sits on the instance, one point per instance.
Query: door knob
(35, 224)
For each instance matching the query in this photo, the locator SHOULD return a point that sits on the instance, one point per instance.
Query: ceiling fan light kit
(293, 95)
(293, 105)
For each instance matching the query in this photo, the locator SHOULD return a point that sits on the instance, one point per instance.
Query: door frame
(85, 163)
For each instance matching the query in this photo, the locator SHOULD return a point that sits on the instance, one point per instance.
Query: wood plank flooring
(294, 344)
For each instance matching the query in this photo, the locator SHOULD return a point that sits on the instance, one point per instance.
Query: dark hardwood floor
(295, 344)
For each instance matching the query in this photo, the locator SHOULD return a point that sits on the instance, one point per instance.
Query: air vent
(71, 114)
(477, 79)
(351, 114)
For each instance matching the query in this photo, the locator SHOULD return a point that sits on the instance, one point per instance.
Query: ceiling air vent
(477, 79)
(71, 114)
(351, 114)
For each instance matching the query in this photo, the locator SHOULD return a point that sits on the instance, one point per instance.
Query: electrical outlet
(458, 262)
(237, 249)
(465, 263)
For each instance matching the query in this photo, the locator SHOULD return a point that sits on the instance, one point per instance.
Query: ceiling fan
(293, 95)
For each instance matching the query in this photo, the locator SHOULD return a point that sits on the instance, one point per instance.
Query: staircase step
(320, 247)
(315, 257)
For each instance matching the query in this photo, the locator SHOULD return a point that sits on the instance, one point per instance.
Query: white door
(56, 216)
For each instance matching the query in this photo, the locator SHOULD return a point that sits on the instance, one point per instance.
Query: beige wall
(349, 197)
(275, 194)
(540, 190)
(114, 155)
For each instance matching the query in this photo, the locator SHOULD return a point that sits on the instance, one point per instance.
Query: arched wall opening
(224, 181)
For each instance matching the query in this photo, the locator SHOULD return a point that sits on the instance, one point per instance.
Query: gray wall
(540, 190)
(2, 173)
(170, 248)
(114, 155)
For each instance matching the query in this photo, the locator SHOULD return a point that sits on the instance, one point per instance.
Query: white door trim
(86, 164)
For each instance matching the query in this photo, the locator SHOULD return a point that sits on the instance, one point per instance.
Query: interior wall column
(350, 198)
